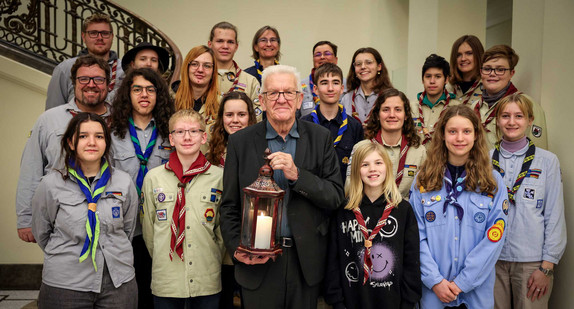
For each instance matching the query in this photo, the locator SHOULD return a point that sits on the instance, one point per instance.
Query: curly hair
(219, 136)
(478, 166)
(374, 121)
(477, 52)
(184, 98)
(382, 80)
(122, 105)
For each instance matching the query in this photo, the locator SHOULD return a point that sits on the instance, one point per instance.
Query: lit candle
(263, 232)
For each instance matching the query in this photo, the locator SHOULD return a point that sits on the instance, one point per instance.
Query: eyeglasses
(324, 54)
(367, 63)
(266, 40)
(192, 133)
(274, 95)
(94, 34)
(139, 89)
(206, 65)
(497, 71)
(98, 80)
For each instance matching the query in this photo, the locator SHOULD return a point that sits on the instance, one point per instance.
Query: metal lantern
(262, 209)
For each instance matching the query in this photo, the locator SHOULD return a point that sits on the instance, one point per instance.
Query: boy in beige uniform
(180, 220)
(223, 41)
(434, 99)
(496, 72)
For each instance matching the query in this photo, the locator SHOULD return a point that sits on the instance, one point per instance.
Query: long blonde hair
(354, 192)
(184, 96)
(478, 166)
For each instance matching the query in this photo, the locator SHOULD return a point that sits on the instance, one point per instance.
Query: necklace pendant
(368, 243)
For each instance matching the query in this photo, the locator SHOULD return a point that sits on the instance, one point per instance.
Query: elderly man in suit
(305, 166)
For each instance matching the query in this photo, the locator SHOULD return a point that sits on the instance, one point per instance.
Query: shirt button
(456, 238)
(191, 280)
(480, 204)
(189, 245)
(456, 217)
(190, 263)
(455, 259)
(188, 227)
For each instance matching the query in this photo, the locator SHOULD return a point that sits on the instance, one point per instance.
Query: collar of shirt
(429, 103)
(507, 154)
(338, 119)
(398, 144)
(74, 107)
(272, 134)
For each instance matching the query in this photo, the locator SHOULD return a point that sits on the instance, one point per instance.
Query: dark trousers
(142, 265)
(283, 286)
(199, 302)
(124, 297)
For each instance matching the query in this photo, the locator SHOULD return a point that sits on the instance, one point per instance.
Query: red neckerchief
(469, 92)
(428, 133)
(402, 157)
(237, 73)
(113, 77)
(511, 89)
(201, 165)
(368, 263)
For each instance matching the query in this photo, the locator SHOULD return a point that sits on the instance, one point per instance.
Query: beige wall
(381, 24)
(23, 98)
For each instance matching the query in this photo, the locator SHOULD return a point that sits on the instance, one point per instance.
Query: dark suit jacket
(314, 196)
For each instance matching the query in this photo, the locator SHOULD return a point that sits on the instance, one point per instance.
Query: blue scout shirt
(464, 251)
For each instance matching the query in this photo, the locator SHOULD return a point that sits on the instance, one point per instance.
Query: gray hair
(280, 69)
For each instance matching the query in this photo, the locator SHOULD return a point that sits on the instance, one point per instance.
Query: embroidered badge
(168, 148)
(534, 173)
(479, 217)
(161, 197)
(438, 198)
(411, 166)
(505, 207)
(539, 203)
(494, 233)
(161, 214)
(345, 160)
(157, 190)
(116, 212)
(209, 214)
(308, 105)
(116, 193)
(430, 216)
(536, 131)
(422, 189)
(258, 111)
(215, 195)
(529, 193)
(500, 222)
(411, 173)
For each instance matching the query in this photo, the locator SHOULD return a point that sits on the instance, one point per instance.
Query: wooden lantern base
(271, 253)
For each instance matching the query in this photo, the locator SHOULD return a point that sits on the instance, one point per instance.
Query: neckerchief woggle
(454, 191)
(343, 126)
(492, 115)
(235, 85)
(201, 165)
(367, 262)
(528, 158)
(260, 67)
(402, 155)
(426, 132)
(93, 221)
(143, 157)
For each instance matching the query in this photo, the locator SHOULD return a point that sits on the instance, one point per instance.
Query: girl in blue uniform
(84, 217)
(374, 243)
(460, 205)
(536, 233)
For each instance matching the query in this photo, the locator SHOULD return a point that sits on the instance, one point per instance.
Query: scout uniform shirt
(60, 211)
(430, 115)
(470, 97)
(358, 105)
(245, 83)
(463, 250)
(537, 132)
(415, 158)
(200, 272)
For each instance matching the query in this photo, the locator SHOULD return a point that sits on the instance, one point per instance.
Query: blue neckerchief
(453, 192)
(143, 157)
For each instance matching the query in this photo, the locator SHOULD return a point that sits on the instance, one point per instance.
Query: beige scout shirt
(430, 116)
(414, 160)
(470, 97)
(246, 83)
(537, 132)
(200, 272)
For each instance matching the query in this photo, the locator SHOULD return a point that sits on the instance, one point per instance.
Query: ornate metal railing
(42, 33)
